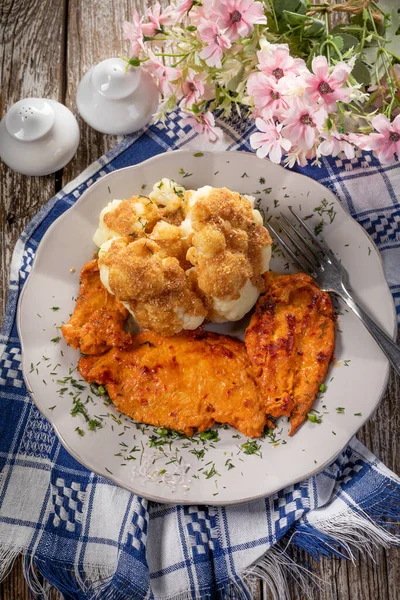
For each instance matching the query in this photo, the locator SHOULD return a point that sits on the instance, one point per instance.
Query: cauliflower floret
(234, 310)
(104, 233)
(168, 237)
(151, 284)
(169, 194)
(230, 251)
(120, 218)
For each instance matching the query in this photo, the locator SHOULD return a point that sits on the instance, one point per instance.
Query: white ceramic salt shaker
(38, 136)
(116, 100)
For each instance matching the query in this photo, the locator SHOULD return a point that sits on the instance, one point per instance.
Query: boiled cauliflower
(151, 285)
(133, 218)
(229, 250)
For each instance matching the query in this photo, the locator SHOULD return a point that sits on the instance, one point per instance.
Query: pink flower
(158, 19)
(195, 89)
(216, 41)
(334, 143)
(183, 7)
(327, 87)
(133, 33)
(302, 124)
(385, 143)
(204, 124)
(238, 17)
(269, 141)
(165, 75)
(275, 60)
(268, 94)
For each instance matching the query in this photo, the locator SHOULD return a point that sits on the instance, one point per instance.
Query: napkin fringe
(352, 531)
(8, 554)
(355, 530)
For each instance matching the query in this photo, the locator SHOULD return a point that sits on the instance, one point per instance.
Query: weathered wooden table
(45, 48)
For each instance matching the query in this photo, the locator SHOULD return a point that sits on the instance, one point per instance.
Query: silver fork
(332, 277)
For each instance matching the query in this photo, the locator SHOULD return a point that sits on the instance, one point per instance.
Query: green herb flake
(261, 181)
(210, 435)
(322, 388)
(251, 447)
(55, 339)
(55, 308)
(198, 154)
(313, 418)
(80, 431)
(358, 414)
(229, 464)
(340, 410)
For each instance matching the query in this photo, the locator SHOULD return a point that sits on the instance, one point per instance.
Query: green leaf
(316, 28)
(338, 41)
(361, 73)
(349, 41)
(134, 62)
(295, 6)
(294, 18)
(393, 45)
(234, 82)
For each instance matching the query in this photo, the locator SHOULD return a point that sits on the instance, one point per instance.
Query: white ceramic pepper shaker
(38, 136)
(115, 99)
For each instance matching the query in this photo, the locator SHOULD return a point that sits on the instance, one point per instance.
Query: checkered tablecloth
(90, 538)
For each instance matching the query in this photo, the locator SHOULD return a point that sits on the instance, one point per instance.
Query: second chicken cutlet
(290, 342)
(97, 322)
(186, 382)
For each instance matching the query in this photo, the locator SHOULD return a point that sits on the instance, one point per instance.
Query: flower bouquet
(313, 89)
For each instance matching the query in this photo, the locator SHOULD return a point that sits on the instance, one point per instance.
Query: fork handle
(388, 347)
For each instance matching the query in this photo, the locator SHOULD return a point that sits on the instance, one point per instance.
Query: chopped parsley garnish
(52, 407)
(54, 308)
(55, 339)
(229, 464)
(322, 388)
(251, 447)
(94, 424)
(198, 154)
(358, 414)
(276, 203)
(319, 227)
(198, 453)
(261, 180)
(340, 410)
(244, 175)
(211, 435)
(313, 418)
(80, 431)
(211, 472)
(346, 362)
(182, 172)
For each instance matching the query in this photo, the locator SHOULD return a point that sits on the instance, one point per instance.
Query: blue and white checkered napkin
(90, 538)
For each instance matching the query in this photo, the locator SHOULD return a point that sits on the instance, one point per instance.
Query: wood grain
(45, 48)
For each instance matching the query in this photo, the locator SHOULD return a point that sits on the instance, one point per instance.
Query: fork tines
(307, 258)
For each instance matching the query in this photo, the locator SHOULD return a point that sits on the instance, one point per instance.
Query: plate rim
(115, 480)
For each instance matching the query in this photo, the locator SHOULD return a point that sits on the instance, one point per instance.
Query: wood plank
(33, 46)
(366, 579)
(94, 34)
(31, 52)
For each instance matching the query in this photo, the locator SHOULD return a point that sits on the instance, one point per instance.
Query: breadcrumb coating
(151, 284)
(228, 246)
(180, 256)
(134, 217)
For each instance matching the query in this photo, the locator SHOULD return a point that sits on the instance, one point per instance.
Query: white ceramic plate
(177, 471)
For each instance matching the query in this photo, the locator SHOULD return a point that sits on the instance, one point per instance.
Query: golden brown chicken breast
(290, 342)
(186, 382)
(98, 318)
